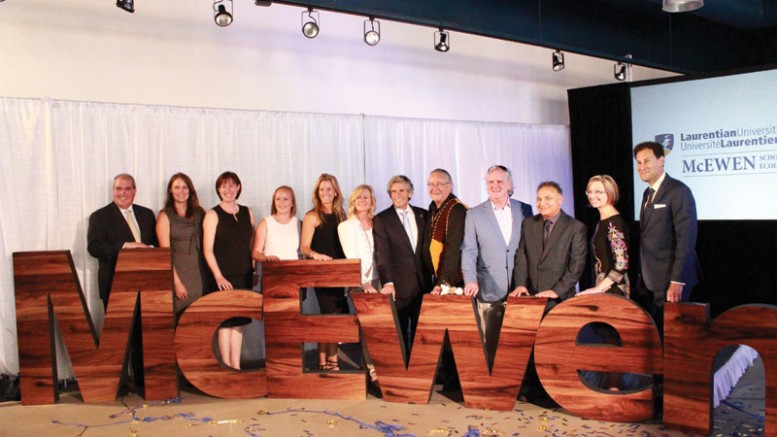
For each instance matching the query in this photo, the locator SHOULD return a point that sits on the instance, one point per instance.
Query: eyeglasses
(597, 192)
(437, 184)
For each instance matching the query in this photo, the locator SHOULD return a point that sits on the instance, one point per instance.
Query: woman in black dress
(611, 265)
(319, 240)
(227, 241)
(610, 242)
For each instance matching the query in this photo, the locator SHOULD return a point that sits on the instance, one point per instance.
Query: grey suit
(559, 265)
(485, 257)
(667, 240)
(488, 260)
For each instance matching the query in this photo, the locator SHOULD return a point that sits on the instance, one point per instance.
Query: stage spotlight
(371, 33)
(622, 71)
(310, 24)
(127, 5)
(221, 16)
(442, 41)
(682, 5)
(558, 60)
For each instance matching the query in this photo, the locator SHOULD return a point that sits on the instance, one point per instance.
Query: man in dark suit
(667, 240)
(444, 232)
(491, 236)
(398, 233)
(118, 225)
(551, 256)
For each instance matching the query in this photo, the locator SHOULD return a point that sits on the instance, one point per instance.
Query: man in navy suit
(118, 225)
(667, 240)
(491, 236)
(553, 249)
(398, 234)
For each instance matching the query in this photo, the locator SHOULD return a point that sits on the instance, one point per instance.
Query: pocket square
(658, 205)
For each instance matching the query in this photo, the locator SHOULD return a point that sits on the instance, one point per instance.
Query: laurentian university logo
(666, 140)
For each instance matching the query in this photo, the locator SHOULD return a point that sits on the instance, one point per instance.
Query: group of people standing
(492, 250)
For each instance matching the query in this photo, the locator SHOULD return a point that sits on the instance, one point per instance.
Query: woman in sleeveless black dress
(319, 241)
(227, 241)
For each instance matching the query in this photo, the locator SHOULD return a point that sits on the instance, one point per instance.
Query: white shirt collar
(496, 208)
(658, 182)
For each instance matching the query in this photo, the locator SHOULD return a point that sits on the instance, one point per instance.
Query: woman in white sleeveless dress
(277, 236)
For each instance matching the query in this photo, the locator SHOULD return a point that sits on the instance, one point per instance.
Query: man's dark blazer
(559, 266)
(108, 231)
(449, 268)
(667, 239)
(395, 258)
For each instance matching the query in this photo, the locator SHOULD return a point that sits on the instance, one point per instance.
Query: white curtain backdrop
(414, 147)
(58, 159)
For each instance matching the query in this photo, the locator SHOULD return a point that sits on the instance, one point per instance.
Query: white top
(358, 244)
(282, 240)
(504, 217)
(413, 224)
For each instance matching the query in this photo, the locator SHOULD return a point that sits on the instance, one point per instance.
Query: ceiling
(723, 35)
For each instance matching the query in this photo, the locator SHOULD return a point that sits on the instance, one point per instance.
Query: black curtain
(600, 131)
(738, 258)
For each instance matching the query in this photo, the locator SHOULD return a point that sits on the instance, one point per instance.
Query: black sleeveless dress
(232, 249)
(326, 241)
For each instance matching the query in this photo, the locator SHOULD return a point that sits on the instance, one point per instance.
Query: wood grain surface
(287, 328)
(50, 277)
(558, 357)
(194, 345)
(691, 344)
(482, 388)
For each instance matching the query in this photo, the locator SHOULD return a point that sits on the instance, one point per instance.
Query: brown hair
(192, 203)
(228, 176)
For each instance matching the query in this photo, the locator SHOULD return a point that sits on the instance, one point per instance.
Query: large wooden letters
(691, 345)
(558, 357)
(287, 329)
(194, 345)
(49, 277)
(47, 286)
(496, 390)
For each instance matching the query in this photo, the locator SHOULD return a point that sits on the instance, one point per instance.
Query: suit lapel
(122, 225)
(517, 212)
(491, 216)
(419, 224)
(642, 208)
(555, 233)
(399, 228)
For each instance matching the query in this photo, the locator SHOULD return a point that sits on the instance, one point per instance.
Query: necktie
(546, 234)
(133, 227)
(651, 194)
(408, 228)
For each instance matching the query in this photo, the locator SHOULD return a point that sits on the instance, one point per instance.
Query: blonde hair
(274, 210)
(610, 187)
(355, 194)
(337, 202)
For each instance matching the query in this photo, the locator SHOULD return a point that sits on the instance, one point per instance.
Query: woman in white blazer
(356, 236)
